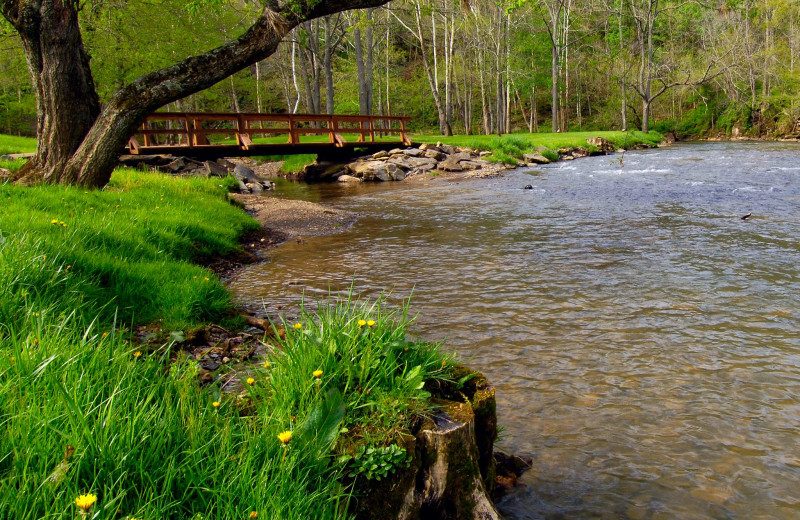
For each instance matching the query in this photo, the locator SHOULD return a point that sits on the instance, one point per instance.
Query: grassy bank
(15, 144)
(509, 148)
(85, 411)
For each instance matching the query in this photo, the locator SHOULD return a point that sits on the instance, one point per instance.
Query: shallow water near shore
(643, 338)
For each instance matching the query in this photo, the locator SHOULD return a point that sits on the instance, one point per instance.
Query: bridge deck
(187, 134)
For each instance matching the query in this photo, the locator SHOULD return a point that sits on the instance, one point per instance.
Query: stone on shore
(535, 158)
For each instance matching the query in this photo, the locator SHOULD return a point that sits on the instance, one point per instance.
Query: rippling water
(643, 339)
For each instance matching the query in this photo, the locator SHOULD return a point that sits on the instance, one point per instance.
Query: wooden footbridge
(212, 135)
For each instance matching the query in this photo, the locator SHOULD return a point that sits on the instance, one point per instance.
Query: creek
(643, 339)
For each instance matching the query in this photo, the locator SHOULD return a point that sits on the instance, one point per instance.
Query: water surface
(643, 339)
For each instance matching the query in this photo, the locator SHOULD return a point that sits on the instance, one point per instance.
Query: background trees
(468, 66)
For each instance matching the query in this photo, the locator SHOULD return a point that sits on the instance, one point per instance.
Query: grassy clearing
(82, 411)
(509, 148)
(15, 144)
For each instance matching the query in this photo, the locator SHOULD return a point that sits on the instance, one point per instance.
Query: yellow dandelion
(137, 354)
(253, 515)
(85, 501)
(105, 334)
(361, 323)
(69, 267)
(317, 373)
(371, 323)
(215, 404)
(54, 221)
(298, 326)
(267, 364)
(250, 380)
(285, 437)
(63, 224)
(206, 278)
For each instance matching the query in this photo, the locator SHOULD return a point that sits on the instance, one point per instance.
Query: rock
(567, 158)
(459, 156)
(396, 173)
(446, 148)
(245, 174)
(412, 152)
(380, 154)
(255, 187)
(426, 146)
(527, 187)
(535, 158)
(450, 166)
(580, 152)
(176, 165)
(470, 165)
(213, 169)
(348, 179)
(670, 137)
(603, 145)
(395, 151)
(435, 154)
(322, 171)
(243, 187)
(484, 153)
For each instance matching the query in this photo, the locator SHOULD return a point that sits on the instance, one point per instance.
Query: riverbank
(101, 367)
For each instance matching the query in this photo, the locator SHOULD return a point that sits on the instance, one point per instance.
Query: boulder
(446, 148)
(176, 165)
(381, 154)
(395, 173)
(601, 144)
(213, 169)
(322, 171)
(412, 152)
(348, 179)
(255, 187)
(470, 165)
(450, 166)
(245, 174)
(580, 152)
(435, 154)
(535, 158)
(459, 156)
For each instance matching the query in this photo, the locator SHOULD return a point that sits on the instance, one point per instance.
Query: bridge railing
(192, 129)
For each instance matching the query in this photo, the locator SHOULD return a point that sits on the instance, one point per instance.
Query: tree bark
(78, 142)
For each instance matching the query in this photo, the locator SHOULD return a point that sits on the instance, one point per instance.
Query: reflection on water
(644, 340)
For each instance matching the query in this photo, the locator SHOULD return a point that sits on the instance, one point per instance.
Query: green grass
(510, 148)
(83, 411)
(134, 243)
(15, 144)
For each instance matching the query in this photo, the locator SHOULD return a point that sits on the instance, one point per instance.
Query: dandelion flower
(205, 278)
(105, 334)
(267, 364)
(54, 221)
(137, 354)
(285, 437)
(298, 326)
(250, 380)
(317, 373)
(361, 323)
(371, 323)
(215, 404)
(85, 501)
(253, 515)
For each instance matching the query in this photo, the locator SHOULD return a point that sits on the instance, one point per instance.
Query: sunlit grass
(16, 144)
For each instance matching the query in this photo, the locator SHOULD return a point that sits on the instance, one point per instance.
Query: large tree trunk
(79, 143)
(66, 101)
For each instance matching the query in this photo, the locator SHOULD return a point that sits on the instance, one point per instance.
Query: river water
(643, 338)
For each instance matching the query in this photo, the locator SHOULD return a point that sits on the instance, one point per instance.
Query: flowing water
(643, 338)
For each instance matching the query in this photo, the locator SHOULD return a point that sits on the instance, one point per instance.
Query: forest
(695, 68)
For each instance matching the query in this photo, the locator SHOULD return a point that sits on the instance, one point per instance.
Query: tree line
(455, 66)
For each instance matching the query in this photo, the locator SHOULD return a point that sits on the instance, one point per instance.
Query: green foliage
(376, 463)
(16, 144)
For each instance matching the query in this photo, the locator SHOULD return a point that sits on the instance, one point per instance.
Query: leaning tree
(79, 138)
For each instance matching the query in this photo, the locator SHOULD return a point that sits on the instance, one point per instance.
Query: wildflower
(36, 341)
(361, 323)
(105, 334)
(267, 364)
(317, 373)
(371, 323)
(85, 501)
(62, 224)
(285, 437)
(298, 326)
(69, 267)
(54, 221)
(253, 515)
(137, 354)
(215, 404)
(250, 380)
(206, 278)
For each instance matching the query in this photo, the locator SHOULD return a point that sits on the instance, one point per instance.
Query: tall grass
(82, 410)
